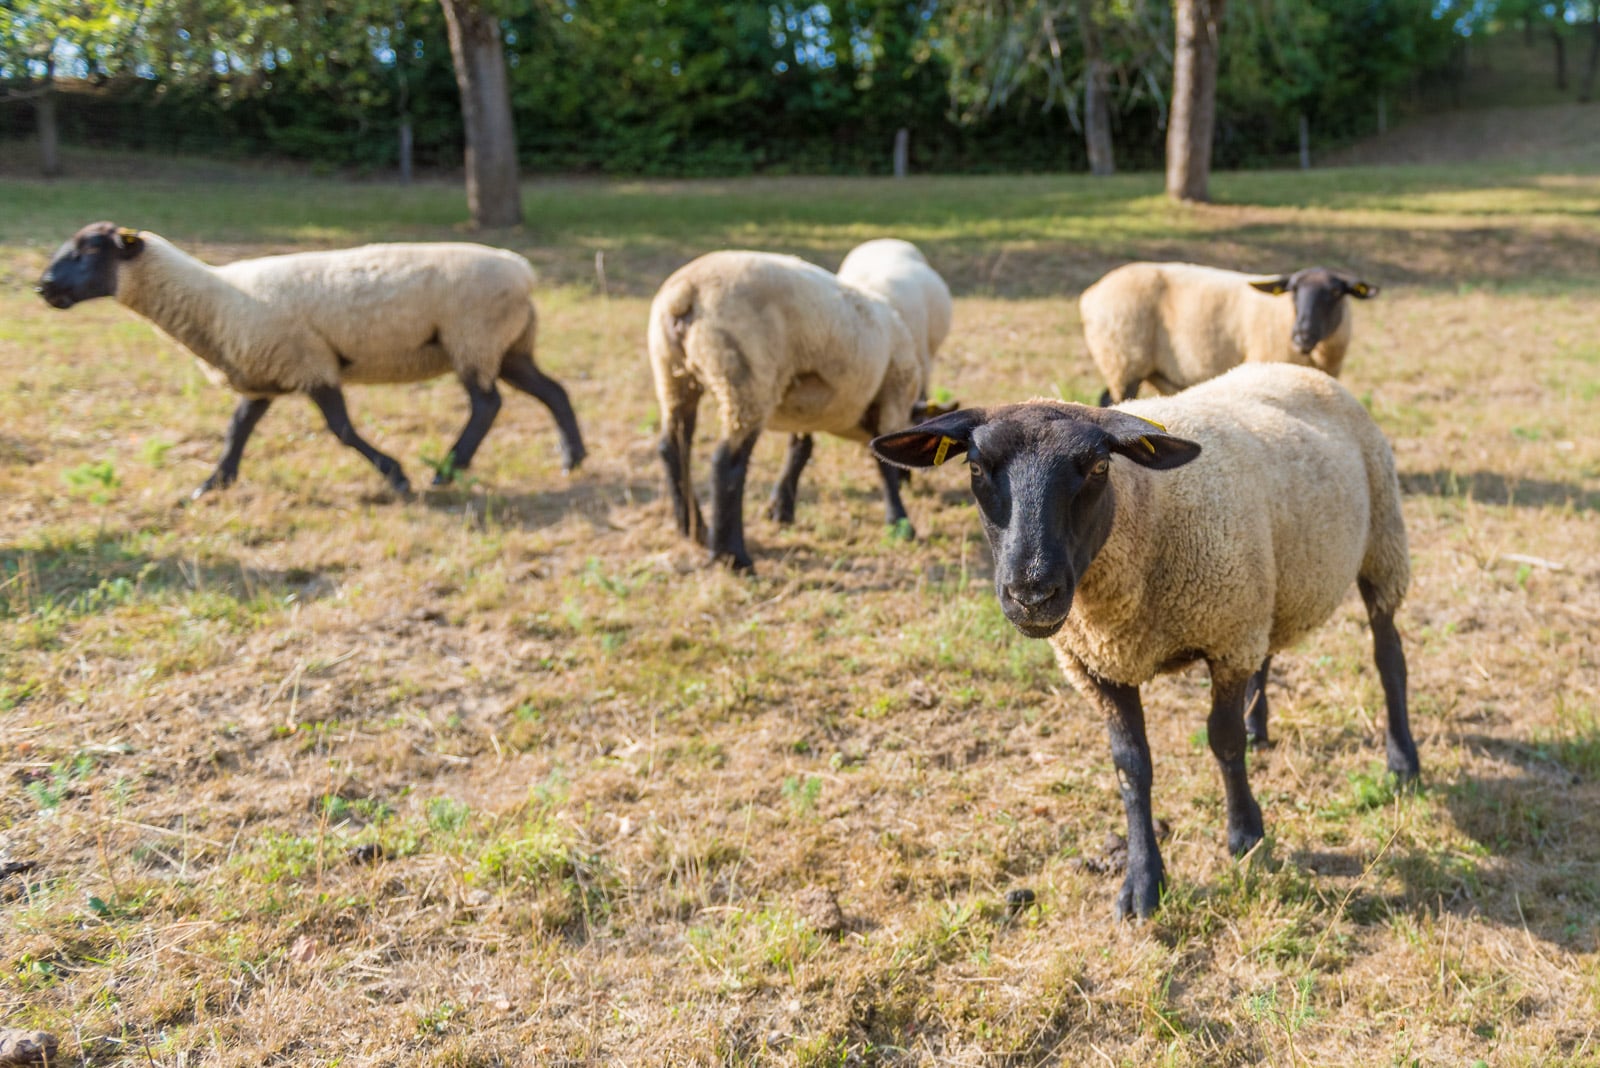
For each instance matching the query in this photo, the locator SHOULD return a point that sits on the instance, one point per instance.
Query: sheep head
(1041, 476)
(1318, 301)
(85, 267)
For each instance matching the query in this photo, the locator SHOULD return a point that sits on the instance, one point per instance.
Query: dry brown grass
(601, 777)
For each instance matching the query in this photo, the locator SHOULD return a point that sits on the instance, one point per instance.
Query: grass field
(605, 783)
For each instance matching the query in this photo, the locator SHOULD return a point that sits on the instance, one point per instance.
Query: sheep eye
(1100, 468)
(977, 472)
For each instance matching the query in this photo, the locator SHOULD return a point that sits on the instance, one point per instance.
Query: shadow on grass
(590, 499)
(89, 576)
(1492, 487)
(1534, 862)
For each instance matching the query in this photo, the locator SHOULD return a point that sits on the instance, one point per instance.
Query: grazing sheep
(1177, 324)
(309, 322)
(1220, 525)
(782, 345)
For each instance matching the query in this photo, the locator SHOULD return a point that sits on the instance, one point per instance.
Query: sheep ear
(932, 443)
(1272, 287)
(129, 243)
(1361, 290)
(1147, 442)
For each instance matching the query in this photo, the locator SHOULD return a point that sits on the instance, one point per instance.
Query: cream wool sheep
(1176, 324)
(1250, 506)
(311, 321)
(782, 345)
(898, 272)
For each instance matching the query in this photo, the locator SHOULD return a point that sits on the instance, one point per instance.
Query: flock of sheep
(1222, 522)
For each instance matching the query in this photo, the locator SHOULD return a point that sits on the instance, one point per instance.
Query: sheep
(1221, 525)
(899, 273)
(1177, 324)
(311, 321)
(780, 344)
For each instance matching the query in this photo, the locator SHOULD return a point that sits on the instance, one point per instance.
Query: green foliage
(705, 87)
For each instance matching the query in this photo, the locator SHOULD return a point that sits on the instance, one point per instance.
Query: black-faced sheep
(312, 321)
(782, 345)
(1220, 525)
(1178, 324)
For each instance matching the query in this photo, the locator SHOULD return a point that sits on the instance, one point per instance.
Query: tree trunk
(1096, 95)
(44, 121)
(1561, 56)
(902, 152)
(1586, 93)
(492, 193)
(1305, 142)
(1194, 98)
(406, 154)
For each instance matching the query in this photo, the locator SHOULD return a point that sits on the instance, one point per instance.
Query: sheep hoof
(1140, 894)
(571, 461)
(901, 530)
(734, 561)
(401, 486)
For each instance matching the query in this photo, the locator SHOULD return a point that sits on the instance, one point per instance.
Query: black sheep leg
(1391, 661)
(240, 427)
(518, 369)
(1130, 752)
(781, 507)
(1225, 730)
(894, 509)
(330, 401)
(729, 465)
(485, 406)
(675, 449)
(1255, 705)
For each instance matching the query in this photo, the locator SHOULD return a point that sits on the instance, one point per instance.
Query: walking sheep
(1220, 525)
(1177, 324)
(312, 321)
(782, 345)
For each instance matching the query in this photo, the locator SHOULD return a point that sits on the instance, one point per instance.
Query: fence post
(902, 151)
(1305, 142)
(405, 151)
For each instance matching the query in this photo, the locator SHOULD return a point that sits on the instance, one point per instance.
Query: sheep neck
(181, 295)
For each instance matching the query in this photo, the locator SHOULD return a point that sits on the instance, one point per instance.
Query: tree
(33, 36)
(493, 195)
(1096, 94)
(1194, 98)
(1586, 91)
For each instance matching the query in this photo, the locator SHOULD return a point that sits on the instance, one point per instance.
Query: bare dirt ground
(303, 774)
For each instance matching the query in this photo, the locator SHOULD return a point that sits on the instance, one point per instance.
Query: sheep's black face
(86, 266)
(1318, 301)
(1041, 477)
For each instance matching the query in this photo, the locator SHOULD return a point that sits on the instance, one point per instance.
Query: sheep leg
(1391, 662)
(729, 465)
(485, 406)
(781, 507)
(1255, 706)
(330, 401)
(243, 423)
(518, 369)
(675, 448)
(1226, 732)
(894, 509)
(1130, 751)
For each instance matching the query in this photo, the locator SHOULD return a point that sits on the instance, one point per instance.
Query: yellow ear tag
(942, 453)
(1152, 422)
(1146, 443)
(125, 233)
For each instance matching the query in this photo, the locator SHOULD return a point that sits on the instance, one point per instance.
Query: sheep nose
(1030, 595)
(1302, 341)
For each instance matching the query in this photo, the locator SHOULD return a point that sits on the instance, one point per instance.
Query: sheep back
(781, 344)
(1251, 546)
(897, 271)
